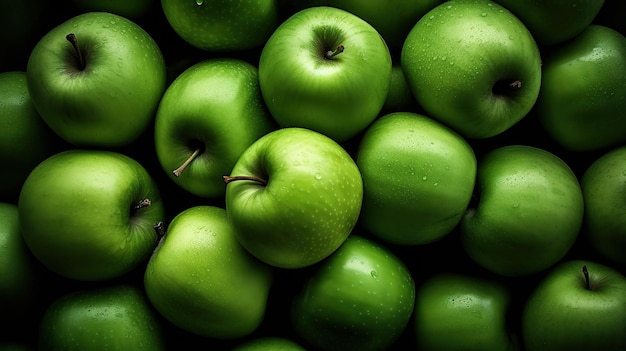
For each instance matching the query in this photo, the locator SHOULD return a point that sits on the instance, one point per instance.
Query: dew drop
(318, 176)
(484, 14)
(199, 2)
(515, 205)
(424, 178)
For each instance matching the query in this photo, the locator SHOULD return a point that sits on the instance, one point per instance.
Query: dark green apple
(474, 66)
(268, 343)
(399, 98)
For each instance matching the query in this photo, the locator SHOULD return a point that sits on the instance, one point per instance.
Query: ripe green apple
(207, 117)
(222, 25)
(359, 298)
(604, 188)
(418, 178)
(268, 343)
(581, 103)
(126, 8)
(579, 305)
(327, 70)
(293, 197)
(472, 65)
(399, 98)
(554, 22)
(201, 279)
(462, 312)
(25, 139)
(529, 211)
(112, 317)
(89, 214)
(96, 79)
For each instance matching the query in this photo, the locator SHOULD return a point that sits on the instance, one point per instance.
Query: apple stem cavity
(81, 60)
(332, 53)
(178, 171)
(228, 179)
(586, 274)
(507, 87)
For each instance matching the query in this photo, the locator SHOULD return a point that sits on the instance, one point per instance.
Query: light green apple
(327, 70)
(96, 79)
(578, 305)
(418, 178)
(201, 280)
(529, 211)
(581, 104)
(89, 214)
(462, 312)
(474, 66)
(207, 117)
(293, 197)
(222, 25)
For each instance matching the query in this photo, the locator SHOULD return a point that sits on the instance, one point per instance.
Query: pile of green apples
(313, 175)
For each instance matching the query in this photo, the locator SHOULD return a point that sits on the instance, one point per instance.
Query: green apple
(474, 66)
(268, 343)
(462, 312)
(222, 25)
(579, 305)
(20, 125)
(207, 117)
(126, 8)
(554, 22)
(96, 79)
(359, 298)
(604, 185)
(399, 98)
(327, 70)
(293, 197)
(529, 211)
(587, 112)
(113, 317)
(418, 178)
(201, 279)
(89, 214)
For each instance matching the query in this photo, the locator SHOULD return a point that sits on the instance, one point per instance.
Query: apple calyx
(228, 179)
(178, 171)
(332, 53)
(81, 60)
(586, 274)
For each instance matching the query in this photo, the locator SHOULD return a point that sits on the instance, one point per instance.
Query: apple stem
(142, 204)
(159, 228)
(178, 171)
(228, 179)
(586, 274)
(72, 39)
(517, 84)
(332, 53)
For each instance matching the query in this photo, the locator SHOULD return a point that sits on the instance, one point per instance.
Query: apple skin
(78, 217)
(113, 317)
(308, 207)
(604, 188)
(528, 214)
(462, 312)
(201, 279)
(554, 22)
(400, 98)
(214, 105)
(562, 314)
(222, 25)
(337, 96)
(587, 112)
(268, 343)
(113, 99)
(418, 178)
(465, 80)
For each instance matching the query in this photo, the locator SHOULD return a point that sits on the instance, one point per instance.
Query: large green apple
(587, 112)
(462, 312)
(96, 79)
(359, 298)
(89, 214)
(579, 305)
(207, 117)
(201, 279)
(222, 25)
(418, 178)
(604, 189)
(556, 21)
(327, 70)
(473, 65)
(529, 211)
(113, 317)
(293, 197)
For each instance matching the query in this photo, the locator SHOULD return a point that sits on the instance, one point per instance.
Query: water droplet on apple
(318, 176)
(435, 184)
(374, 274)
(424, 178)
(515, 205)
(484, 14)
(431, 17)
(199, 2)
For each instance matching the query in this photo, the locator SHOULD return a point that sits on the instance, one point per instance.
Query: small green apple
(399, 98)
(293, 197)
(89, 214)
(418, 178)
(268, 343)
(201, 279)
(472, 65)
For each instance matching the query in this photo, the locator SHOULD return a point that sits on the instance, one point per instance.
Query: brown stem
(72, 39)
(142, 204)
(159, 228)
(332, 53)
(228, 179)
(586, 274)
(177, 172)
